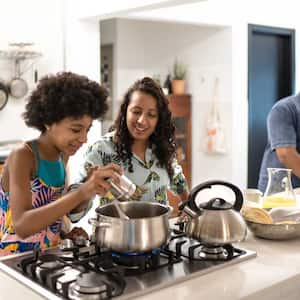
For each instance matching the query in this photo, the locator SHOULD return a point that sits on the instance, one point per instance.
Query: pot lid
(216, 204)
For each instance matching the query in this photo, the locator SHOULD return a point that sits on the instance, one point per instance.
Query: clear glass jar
(279, 191)
(124, 190)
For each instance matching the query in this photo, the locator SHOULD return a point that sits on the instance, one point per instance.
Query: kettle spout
(185, 206)
(190, 212)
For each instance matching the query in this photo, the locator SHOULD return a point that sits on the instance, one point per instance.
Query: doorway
(271, 76)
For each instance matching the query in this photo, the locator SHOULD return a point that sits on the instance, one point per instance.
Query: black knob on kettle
(216, 204)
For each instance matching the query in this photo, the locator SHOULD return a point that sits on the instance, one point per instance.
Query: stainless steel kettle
(215, 222)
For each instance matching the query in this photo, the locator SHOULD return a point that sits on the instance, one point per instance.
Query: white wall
(69, 43)
(28, 21)
(147, 48)
(236, 14)
(94, 10)
(66, 44)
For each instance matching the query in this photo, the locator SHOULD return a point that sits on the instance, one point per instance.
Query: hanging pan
(18, 86)
(3, 95)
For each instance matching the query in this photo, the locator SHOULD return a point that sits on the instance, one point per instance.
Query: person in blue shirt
(141, 141)
(283, 146)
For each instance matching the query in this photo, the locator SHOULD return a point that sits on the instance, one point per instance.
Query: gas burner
(46, 265)
(37, 266)
(215, 252)
(51, 264)
(90, 284)
(181, 245)
(136, 263)
(94, 286)
(140, 263)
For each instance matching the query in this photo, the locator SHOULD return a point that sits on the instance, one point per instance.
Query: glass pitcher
(279, 191)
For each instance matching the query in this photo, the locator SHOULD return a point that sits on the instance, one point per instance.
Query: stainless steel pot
(146, 229)
(215, 222)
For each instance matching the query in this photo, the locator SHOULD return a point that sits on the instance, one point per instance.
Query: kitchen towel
(214, 142)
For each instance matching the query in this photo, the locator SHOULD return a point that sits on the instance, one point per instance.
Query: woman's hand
(97, 180)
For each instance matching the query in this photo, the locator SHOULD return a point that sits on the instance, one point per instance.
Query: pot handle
(95, 222)
(190, 206)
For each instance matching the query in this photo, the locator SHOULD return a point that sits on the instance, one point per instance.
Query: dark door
(271, 63)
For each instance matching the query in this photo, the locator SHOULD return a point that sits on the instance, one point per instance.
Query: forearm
(37, 219)
(28, 221)
(81, 206)
(290, 158)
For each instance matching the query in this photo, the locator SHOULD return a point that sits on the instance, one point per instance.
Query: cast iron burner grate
(140, 263)
(91, 272)
(78, 275)
(183, 246)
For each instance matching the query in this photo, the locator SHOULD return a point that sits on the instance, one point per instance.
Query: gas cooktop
(88, 272)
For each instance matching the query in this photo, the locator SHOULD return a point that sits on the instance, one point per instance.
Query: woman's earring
(47, 127)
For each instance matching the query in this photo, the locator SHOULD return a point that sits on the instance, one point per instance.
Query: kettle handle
(238, 203)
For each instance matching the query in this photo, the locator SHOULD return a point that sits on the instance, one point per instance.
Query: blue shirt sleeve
(281, 129)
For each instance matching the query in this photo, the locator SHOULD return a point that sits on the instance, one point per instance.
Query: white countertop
(273, 274)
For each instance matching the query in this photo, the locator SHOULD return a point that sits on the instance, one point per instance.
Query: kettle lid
(216, 204)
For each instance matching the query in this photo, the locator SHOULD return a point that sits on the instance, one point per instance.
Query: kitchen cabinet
(180, 106)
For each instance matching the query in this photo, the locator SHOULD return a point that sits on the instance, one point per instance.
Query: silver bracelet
(73, 187)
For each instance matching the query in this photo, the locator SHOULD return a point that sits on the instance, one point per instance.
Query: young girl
(62, 108)
(142, 143)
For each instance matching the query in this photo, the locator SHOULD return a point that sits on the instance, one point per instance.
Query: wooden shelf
(180, 106)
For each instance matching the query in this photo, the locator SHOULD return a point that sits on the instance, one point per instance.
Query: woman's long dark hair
(162, 138)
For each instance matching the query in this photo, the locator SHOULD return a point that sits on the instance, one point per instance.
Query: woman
(62, 108)
(142, 144)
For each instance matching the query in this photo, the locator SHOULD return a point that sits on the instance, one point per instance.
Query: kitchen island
(273, 274)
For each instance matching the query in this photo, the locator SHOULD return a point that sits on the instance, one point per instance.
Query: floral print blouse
(152, 180)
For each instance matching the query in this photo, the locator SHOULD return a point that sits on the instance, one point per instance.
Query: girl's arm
(69, 188)
(28, 221)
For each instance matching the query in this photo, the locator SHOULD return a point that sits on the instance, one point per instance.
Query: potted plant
(178, 78)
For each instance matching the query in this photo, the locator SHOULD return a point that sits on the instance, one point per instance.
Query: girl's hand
(97, 181)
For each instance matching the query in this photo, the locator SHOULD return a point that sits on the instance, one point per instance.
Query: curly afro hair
(162, 138)
(64, 95)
